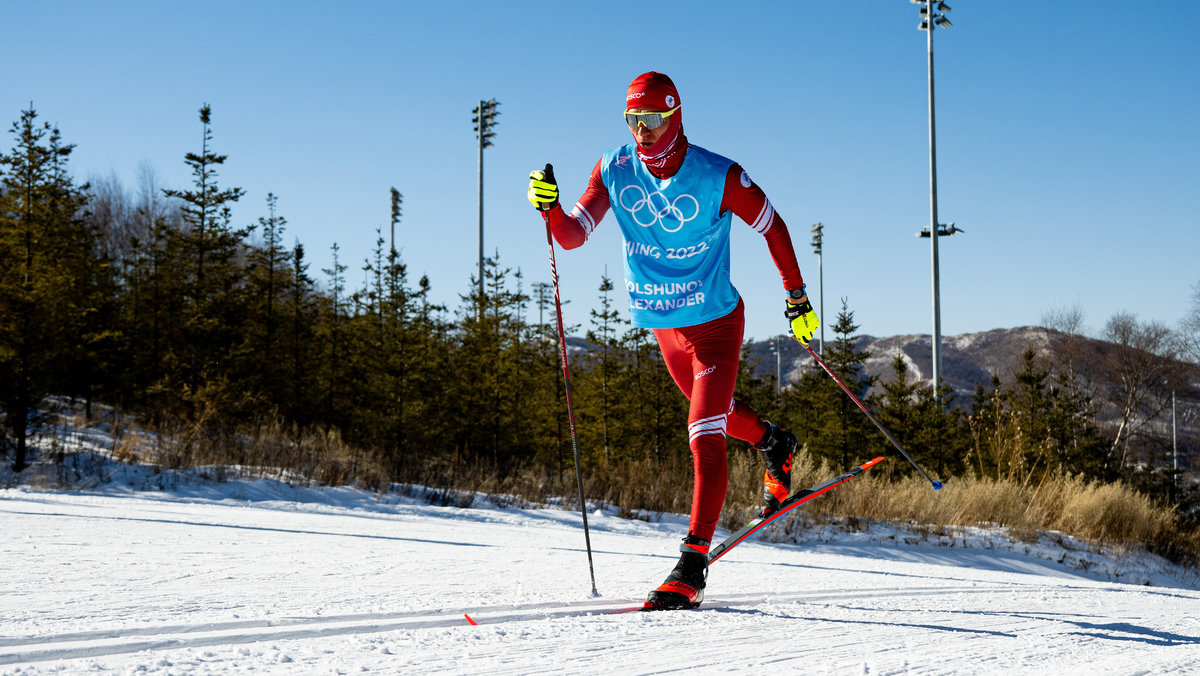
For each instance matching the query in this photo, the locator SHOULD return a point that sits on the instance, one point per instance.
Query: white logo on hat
(670, 101)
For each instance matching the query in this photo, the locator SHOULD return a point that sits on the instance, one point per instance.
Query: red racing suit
(702, 359)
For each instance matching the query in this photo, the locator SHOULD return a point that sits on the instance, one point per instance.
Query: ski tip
(871, 463)
(937, 485)
(473, 623)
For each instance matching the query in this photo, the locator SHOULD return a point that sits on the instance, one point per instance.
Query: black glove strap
(794, 311)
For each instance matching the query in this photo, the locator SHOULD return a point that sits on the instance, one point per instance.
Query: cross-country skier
(673, 202)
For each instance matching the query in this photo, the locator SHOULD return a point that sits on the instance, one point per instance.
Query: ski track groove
(177, 636)
(876, 627)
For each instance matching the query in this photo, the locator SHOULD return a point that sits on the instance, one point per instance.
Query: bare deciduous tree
(109, 212)
(1138, 372)
(1074, 354)
(1190, 329)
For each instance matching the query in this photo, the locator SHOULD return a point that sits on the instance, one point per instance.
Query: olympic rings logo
(657, 209)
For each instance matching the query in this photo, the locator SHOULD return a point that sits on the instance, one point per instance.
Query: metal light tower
(485, 122)
(397, 202)
(816, 244)
(1174, 452)
(934, 16)
(778, 368)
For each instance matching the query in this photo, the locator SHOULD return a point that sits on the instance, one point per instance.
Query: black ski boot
(778, 446)
(684, 587)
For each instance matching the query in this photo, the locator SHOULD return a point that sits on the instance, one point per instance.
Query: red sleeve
(744, 198)
(572, 230)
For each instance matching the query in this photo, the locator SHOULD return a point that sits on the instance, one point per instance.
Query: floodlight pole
(778, 369)
(1174, 452)
(931, 17)
(818, 240)
(933, 222)
(482, 142)
(485, 122)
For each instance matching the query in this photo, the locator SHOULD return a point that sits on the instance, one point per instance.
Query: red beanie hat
(652, 91)
(655, 91)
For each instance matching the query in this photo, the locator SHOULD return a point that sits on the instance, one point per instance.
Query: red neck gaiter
(656, 91)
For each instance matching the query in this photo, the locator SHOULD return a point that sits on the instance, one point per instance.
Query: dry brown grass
(267, 449)
(1111, 515)
(1102, 515)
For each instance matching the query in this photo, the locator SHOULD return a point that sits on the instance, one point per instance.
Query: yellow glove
(543, 191)
(802, 318)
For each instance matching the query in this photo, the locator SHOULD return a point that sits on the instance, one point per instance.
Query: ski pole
(937, 485)
(562, 345)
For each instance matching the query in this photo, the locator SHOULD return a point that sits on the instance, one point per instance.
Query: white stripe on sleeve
(580, 214)
(763, 222)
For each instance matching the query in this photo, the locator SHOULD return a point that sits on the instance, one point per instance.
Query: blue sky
(1067, 135)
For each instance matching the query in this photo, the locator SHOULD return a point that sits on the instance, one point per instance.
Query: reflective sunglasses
(648, 120)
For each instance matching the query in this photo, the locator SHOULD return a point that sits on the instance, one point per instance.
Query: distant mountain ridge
(968, 360)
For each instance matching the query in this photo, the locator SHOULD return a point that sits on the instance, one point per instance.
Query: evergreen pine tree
(489, 381)
(823, 417)
(1037, 428)
(658, 411)
(213, 314)
(603, 335)
(553, 435)
(48, 275)
(299, 397)
(758, 392)
(333, 317)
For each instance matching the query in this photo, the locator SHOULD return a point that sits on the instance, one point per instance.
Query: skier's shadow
(1141, 634)
(1105, 631)
(265, 529)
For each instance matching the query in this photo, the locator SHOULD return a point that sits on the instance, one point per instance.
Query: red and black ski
(791, 503)
(715, 553)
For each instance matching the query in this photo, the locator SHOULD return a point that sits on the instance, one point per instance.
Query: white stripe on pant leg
(707, 420)
(714, 421)
(711, 427)
(714, 425)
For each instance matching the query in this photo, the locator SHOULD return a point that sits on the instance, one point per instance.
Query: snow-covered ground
(255, 577)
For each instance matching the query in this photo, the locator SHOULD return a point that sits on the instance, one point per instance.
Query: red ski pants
(703, 360)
